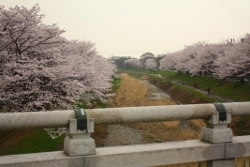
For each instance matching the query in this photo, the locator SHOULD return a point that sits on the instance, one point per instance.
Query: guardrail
(217, 146)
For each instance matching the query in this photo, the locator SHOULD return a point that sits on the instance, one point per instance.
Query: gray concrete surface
(139, 155)
(155, 154)
(216, 135)
(123, 156)
(78, 142)
(48, 159)
(240, 147)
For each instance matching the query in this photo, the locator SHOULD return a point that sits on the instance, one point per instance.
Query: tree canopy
(223, 60)
(40, 70)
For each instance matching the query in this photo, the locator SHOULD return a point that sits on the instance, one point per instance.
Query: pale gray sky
(133, 27)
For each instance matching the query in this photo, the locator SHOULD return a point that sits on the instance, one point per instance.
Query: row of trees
(39, 69)
(229, 60)
(224, 60)
(146, 61)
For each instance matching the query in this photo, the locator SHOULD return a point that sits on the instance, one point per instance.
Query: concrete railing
(217, 146)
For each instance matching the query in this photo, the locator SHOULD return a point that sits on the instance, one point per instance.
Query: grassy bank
(233, 90)
(116, 84)
(32, 141)
(38, 140)
(180, 93)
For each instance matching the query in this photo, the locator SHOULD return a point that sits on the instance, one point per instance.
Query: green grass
(180, 93)
(39, 141)
(116, 84)
(134, 73)
(235, 91)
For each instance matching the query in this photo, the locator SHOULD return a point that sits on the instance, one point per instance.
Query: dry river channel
(139, 92)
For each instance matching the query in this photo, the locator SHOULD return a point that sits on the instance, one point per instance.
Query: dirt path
(133, 92)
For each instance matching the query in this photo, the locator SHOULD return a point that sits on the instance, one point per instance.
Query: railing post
(216, 131)
(78, 142)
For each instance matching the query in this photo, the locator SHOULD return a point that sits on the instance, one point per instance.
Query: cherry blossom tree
(22, 30)
(236, 61)
(133, 63)
(183, 58)
(41, 70)
(169, 61)
(59, 79)
(198, 58)
(205, 57)
(151, 64)
(24, 42)
(228, 59)
(145, 56)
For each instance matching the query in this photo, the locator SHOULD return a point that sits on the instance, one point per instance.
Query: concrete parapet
(240, 147)
(51, 159)
(140, 155)
(123, 156)
(155, 154)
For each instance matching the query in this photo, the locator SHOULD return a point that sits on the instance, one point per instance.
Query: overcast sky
(133, 27)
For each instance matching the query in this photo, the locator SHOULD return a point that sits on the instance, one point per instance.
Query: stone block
(81, 145)
(216, 135)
